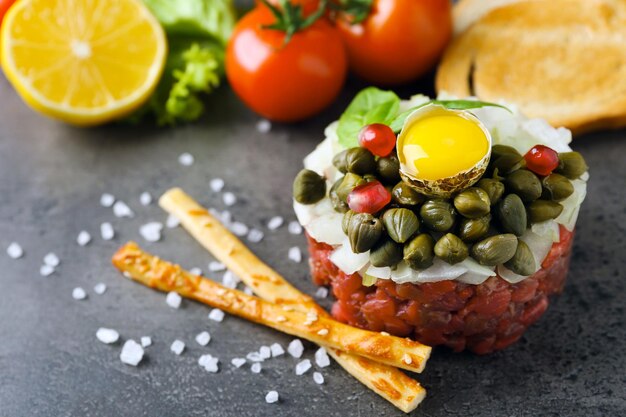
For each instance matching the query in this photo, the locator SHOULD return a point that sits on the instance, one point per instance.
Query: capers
(542, 210)
(572, 165)
(493, 188)
(388, 169)
(348, 183)
(471, 230)
(386, 253)
(400, 223)
(523, 262)
(345, 221)
(495, 250)
(512, 214)
(360, 161)
(437, 215)
(472, 203)
(339, 161)
(308, 187)
(364, 230)
(556, 187)
(405, 195)
(525, 184)
(451, 249)
(418, 253)
(499, 150)
(508, 163)
(338, 204)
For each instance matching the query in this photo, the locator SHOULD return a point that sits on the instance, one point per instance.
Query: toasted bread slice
(466, 12)
(561, 60)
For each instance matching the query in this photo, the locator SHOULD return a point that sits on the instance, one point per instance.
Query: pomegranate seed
(541, 160)
(369, 198)
(377, 138)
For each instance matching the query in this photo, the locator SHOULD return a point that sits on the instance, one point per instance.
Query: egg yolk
(441, 146)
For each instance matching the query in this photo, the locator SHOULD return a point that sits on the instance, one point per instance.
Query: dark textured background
(571, 363)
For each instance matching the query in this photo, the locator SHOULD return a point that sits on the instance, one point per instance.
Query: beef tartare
(447, 221)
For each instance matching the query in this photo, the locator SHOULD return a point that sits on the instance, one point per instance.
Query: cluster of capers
(483, 221)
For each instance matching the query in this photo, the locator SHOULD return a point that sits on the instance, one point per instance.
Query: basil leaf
(370, 105)
(397, 123)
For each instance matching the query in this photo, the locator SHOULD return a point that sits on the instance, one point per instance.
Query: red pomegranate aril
(369, 198)
(541, 160)
(377, 138)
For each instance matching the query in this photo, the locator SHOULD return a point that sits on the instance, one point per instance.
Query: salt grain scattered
(303, 366)
(107, 336)
(318, 378)
(209, 363)
(106, 231)
(265, 352)
(281, 319)
(254, 357)
(256, 368)
(216, 266)
(100, 288)
(271, 397)
(295, 254)
(406, 358)
(263, 126)
(51, 259)
(275, 222)
(185, 159)
(79, 294)
(132, 353)
(151, 232)
(195, 271)
(248, 290)
(178, 347)
(277, 350)
(145, 198)
(172, 221)
(83, 238)
(294, 227)
(239, 229)
(229, 199)
(322, 332)
(226, 217)
(146, 341)
(295, 348)
(46, 270)
(322, 292)
(15, 251)
(203, 338)
(238, 362)
(229, 280)
(107, 200)
(216, 184)
(173, 299)
(321, 358)
(255, 236)
(121, 209)
(216, 315)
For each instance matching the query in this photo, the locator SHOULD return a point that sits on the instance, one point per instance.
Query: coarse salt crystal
(195, 271)
(121, 209)
(255, 236)
(254, 357)
(281, 319)
(318, 378)
(106, 231)
(265, 352)
(173, 299)
(15, 251)
(51, 259)
(229, 199)
(151, 232)
(186, 159)
(239, 229)
(209, 363)
(295, 254)
(178, 346)
(229, 280)
(216, 184)
(216, 315)
(226, 217)
(256, 368)
(145, 198)
(271, 397)
(172, 221)
(322, 292)
(321, 358)
(294, 227)
(132, 353)
(107, 336)
(100, 288)
(248, 290)
(263, 126)
(107, 200)
(79, 294)
(303, 366)
(322, 332)
(277, 350)
(275, 222)
(406, 358)
(216, 266)
(203, 338)
(146, 341)
(46, 270)
(83, 238)
(295, 348)
(238, 362)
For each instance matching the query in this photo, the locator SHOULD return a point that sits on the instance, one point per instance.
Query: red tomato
(4, 6)
(285, 82)
(399, 41)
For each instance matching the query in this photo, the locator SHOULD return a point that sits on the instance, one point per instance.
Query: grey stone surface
(571, 363)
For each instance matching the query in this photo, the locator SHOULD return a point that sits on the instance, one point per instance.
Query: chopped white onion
(348, 261)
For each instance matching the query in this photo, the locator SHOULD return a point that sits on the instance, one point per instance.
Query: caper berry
(419, 252)
(493, 188)
(400, 223)
(495, 250)
(345, 221)
(338, 204)
(512, 214)
(388, 169)
(405, 195)
(556, 187)
(542, 210)
(571, 164)
(508, 163)
(364, 230)
(499, 150)
(472, 203)
(386, 253)
(360, 161)
(348, 183)
(437, 215)
(339, 161)
(471, 230)
(523, 262)
(308, 187)
(451, 249)
(525, 184)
